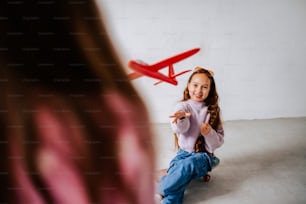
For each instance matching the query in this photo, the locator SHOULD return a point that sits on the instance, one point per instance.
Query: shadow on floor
(265, 175)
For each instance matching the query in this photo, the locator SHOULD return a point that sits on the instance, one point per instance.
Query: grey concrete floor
(262, 161)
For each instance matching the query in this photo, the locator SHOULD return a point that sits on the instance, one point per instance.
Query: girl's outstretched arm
(179, 115)
(181, 122)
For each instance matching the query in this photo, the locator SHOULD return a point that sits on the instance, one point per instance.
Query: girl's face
(199, 87)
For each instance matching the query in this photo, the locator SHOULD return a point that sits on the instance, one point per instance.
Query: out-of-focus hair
(58, 54)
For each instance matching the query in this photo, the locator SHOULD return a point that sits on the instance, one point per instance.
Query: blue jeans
(184, 167)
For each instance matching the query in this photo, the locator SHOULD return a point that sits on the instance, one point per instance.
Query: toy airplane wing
(174, 59)
(135, 75)
(142, 69)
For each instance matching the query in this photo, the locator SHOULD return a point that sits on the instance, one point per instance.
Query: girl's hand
(179, 115)
(205, 129)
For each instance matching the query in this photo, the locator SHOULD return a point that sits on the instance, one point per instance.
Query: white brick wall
(256, 48)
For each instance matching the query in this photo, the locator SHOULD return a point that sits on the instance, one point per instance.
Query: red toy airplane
(143, 69)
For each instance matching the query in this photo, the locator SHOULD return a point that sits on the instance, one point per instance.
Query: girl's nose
(198, 90)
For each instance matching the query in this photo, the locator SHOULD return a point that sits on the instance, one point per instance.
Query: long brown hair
(212, 100)
(59, 54)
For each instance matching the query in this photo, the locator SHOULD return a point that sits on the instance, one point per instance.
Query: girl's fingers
(187, 114)
(207, 118)
(179, 114)
(205, 128)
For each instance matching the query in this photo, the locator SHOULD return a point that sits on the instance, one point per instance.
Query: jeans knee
(193, 166)
(215, 161)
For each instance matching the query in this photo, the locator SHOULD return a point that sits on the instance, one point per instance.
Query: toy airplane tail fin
(170, 71)
(173, 76)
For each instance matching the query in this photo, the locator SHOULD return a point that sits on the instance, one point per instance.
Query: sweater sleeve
(214, 139)
(182, 125)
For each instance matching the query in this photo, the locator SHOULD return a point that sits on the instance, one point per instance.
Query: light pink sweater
(188, 129)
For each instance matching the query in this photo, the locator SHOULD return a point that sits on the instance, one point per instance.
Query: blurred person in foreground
(72, 127)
